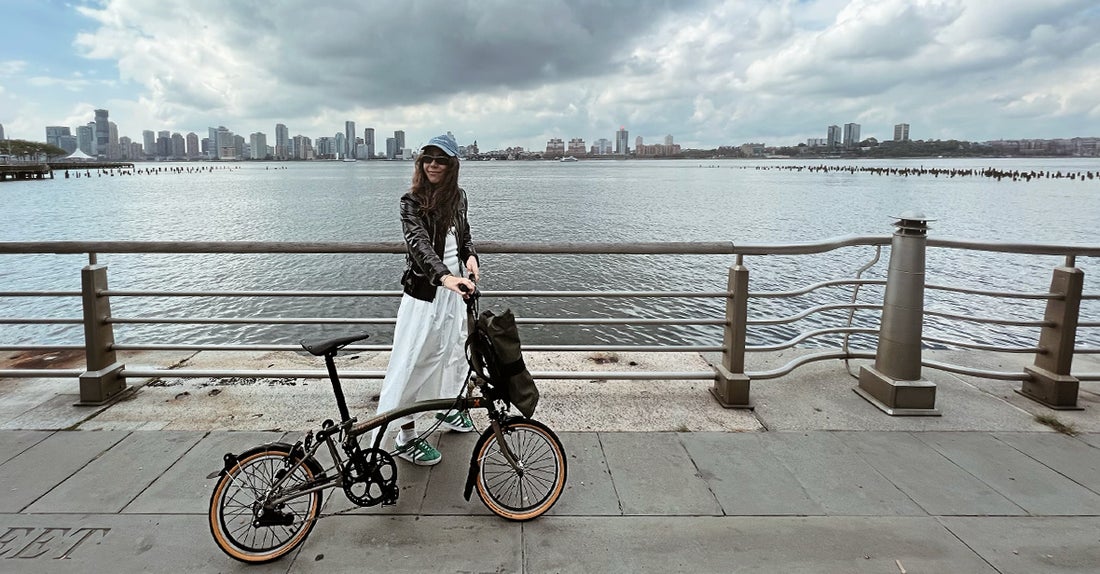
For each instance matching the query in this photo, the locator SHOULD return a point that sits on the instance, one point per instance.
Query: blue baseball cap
(444, 142)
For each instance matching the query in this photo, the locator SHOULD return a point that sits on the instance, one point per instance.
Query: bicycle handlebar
(476, 292)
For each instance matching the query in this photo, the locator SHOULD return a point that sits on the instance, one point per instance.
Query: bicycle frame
(268, 498)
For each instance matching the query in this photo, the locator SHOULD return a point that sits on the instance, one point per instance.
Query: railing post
(894, 384)
(1051, 383)
(101, 381)
(731, 385)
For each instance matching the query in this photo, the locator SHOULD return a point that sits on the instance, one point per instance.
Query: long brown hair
(439, 201)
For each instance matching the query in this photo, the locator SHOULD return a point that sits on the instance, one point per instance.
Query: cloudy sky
(516, 73)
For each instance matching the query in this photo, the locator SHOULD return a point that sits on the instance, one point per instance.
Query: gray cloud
(709, 72)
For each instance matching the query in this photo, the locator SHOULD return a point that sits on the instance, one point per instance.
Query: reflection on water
(631, 201)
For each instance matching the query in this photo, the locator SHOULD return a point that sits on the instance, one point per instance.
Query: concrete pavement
(814, 480)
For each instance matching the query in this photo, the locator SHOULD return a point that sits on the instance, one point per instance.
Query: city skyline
(710, 72)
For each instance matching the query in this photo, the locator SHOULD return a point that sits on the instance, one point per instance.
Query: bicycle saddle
(322, 347)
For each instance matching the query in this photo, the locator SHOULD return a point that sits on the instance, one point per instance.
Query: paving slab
(926, 476)
(654, 474)
(437, 489)
(1026, 545)
(792, 545)
(183, 488)
(14, 443)
(119, 475)
(1074, 457)
(36, 471)
(746, 478)
(413, 544)
(589, 490)
(20, 397)
(1029, 484)
(124, 544)
(835, 476)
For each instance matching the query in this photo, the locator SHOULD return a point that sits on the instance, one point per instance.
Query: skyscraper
(349, 140)
(399, 141)
(282, 142)
(901, 133)
(368, 140)
(622, 137)
(149, 141)
(85, 138)
(193, 149)
(2, 131)
(834, 139)
(258, 142)
(851, 136)
(102, 133)
(54, 134)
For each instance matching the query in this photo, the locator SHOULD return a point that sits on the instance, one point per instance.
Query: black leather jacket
(425, 240)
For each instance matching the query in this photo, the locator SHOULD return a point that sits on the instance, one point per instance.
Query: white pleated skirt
(429, 358)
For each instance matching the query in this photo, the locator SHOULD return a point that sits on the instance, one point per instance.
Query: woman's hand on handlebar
(473, 267)
(459, 285)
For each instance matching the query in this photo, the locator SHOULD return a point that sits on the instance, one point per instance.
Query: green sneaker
(457, 421)
(419, 452)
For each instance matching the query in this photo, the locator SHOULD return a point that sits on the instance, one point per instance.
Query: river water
(745, 202)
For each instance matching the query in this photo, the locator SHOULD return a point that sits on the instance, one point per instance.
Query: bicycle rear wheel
(246, 531)
(531, 489)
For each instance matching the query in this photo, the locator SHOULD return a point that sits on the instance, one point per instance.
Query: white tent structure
(78, 156)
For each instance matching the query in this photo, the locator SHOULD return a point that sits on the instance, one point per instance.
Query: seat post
(336, 388)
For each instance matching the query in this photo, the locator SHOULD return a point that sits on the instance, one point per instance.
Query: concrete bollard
(1050, 381)
(731, 385)
(894, 384)
(102, 380)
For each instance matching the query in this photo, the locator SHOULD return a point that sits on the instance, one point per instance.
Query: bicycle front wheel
(242, 527)
(534, 484)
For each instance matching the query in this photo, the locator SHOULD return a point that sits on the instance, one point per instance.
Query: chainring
(370, 478)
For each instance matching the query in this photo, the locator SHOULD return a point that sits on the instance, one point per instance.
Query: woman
(428, 360)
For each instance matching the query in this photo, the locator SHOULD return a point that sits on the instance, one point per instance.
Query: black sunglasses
(442, 160)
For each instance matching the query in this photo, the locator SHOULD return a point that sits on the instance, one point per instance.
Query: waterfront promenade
(661, 479)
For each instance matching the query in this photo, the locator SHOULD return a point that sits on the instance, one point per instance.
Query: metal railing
(897, 354)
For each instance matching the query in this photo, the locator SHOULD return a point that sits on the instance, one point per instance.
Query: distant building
(113, 152)
(258, 143)
(164, 144)
(149, 141)
(399, 142)
(55, 133)
(752, 149)
(638, 142)
(368, 141)
(302, 148)
(555, 147)
(602, 146)
(282, 142)
(193, 149)
(125, 148)
(391, 148)
(179, 146)
(67, 143)
(834, 138)
(817, 142)
(102, 133)
(622, 138)
(851, 136)
(2, 132)
(901, 132)
(576, 147)
(85, 139)
(349, 140)
(340, 146)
